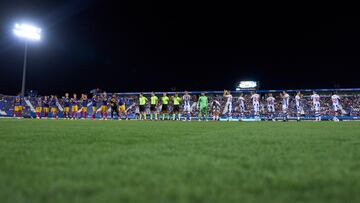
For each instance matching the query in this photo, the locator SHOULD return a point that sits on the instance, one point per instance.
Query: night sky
(157, 46)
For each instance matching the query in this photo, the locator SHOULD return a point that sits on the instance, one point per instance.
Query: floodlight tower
(28, 33)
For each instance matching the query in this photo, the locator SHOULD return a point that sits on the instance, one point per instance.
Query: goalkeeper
(203, 106)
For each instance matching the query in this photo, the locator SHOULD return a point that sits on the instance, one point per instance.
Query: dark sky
(152, 45)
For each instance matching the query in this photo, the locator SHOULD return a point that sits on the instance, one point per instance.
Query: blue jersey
(74, 101)
(46, 103)
(66, 102)
(84, 102)
(104, 101)
(39, 103)
(53, 103)
(121, 101)
(94, 101)
(18, 101)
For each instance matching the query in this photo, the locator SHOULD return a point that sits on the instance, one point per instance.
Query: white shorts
(216, 109)
(298, 109)
(336, 107)
(271, 108)
(187, 108)
(256, 107)
(193, 106)
(316, 106)
(228, 108)
(284, 108)
(242, 109)
(158, 109)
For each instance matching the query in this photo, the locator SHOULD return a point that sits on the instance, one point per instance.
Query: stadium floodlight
(27, 32)
(247, 85)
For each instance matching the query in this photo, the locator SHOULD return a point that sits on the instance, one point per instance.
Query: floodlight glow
(27, 31)
(247, 84)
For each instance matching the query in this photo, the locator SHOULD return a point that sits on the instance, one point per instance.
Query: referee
(164, 108)
(153, 102)
(142, 103)
(176, 109)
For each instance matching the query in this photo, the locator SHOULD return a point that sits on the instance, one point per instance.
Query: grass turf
(130, 161)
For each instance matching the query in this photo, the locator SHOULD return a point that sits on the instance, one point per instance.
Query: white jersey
(229, 98)
(286, 100)
(137, 109)
(270, 101)
(297, 101)
(186, 100)
(316, 103)
(241, 101)
(270, 104)
(228, 105)
(193, 106)
(216, 106)
(335, 99)
(336, 102)
(255, 98)
(158, 108)
(315, 98)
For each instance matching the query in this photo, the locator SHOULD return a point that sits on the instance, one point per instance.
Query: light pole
(27, 32)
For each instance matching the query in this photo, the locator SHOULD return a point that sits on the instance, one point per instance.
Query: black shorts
(164, 108)
(142, 108)
(176, 108)
(153, 107)
(114, 108)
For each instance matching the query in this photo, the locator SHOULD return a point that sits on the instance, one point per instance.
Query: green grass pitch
(135, 161)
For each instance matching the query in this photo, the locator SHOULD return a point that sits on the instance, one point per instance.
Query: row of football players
(72, 107)
(80, 106)
(227, 109)
(285, 97)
